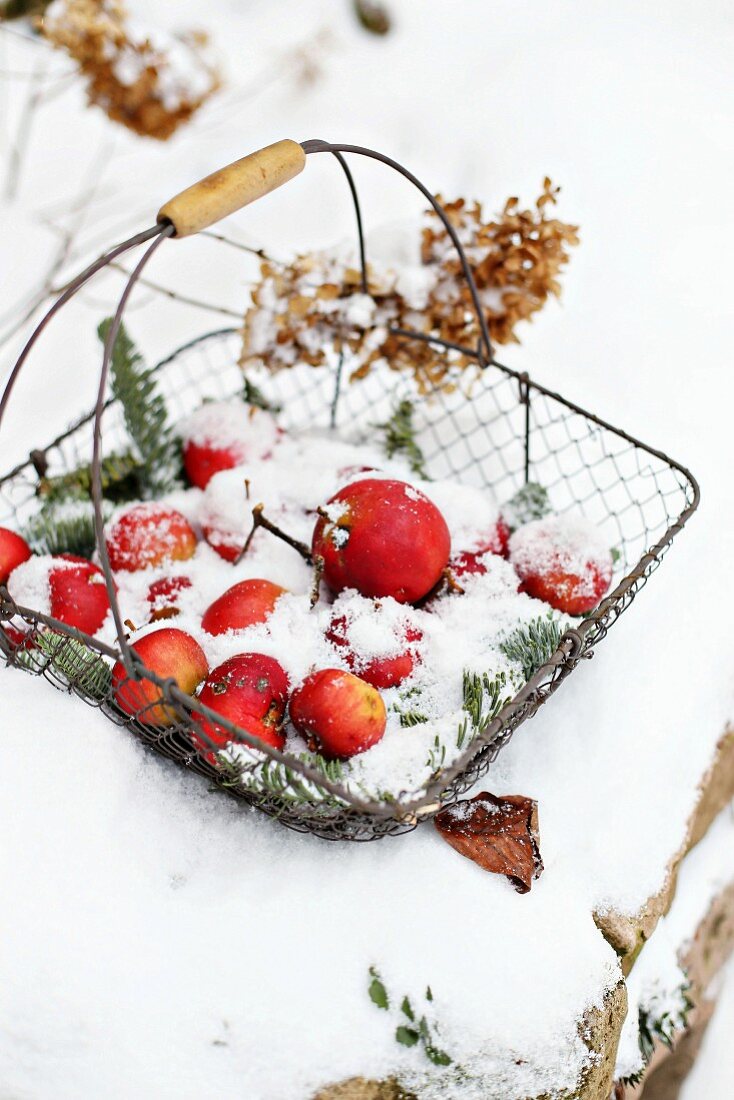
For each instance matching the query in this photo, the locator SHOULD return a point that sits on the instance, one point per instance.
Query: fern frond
(144, 410)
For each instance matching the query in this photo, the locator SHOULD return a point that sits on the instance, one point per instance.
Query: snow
(180, 921)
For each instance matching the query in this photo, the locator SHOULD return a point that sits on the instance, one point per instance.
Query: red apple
(562, 560)
(78, 593)
(380, 672)
(224, 434)
(251, 690)
(147, 535)
(495, 541)
(170, 654)
(242, 605)
(338, 714)
(384, 538)
(14, 550)
(226, 550)
(164, 596)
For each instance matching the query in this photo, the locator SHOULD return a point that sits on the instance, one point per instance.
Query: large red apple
(149, 534)
(14, 550)
(244, 604)
(251, 690)
(338, 714)
(224, 434)
(384, 538)
(564, 561)
(170, 654)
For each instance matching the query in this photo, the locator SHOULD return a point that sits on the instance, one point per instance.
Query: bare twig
(23, 129)
(318, 572)
(175, 296)
(259, 519)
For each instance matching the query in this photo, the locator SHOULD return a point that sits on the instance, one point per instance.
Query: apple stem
(318, 572)
(451, 582)
(259, 519)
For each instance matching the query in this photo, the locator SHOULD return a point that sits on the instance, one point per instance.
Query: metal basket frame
(538, 426)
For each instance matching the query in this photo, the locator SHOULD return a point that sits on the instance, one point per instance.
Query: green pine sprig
(532, 644)
(484, 698)
(529, 502)
(253, 395)
(408, 709)
(657, 1028)
(146, 417)
(77, 665)
(63, 528)
(277, 779)
(120, 482)
(399, 437)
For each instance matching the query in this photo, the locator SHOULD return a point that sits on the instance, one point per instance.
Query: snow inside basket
(490, 434)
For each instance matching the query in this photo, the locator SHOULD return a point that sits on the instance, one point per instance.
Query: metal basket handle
(192, 210)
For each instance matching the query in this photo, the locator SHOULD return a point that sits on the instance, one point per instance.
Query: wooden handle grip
(233, 187)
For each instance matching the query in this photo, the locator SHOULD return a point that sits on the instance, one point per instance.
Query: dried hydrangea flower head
(147, 79)
(314, 308)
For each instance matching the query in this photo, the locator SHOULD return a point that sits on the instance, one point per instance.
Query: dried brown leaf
(498, 833)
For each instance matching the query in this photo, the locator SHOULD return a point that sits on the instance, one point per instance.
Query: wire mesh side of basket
(493, 429)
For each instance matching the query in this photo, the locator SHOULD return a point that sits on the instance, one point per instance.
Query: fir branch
(529, 503)
(654, 1028)
(399, 437)
(253, 395)
(532, 644)
(408, 713)
(63, 528)
(145, 414)
(74, 662)
(436, 756)
(483, 700)
(120, 481)
(272, 777)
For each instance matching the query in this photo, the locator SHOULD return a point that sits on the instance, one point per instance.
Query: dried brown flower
(149, 81)
(314, 309)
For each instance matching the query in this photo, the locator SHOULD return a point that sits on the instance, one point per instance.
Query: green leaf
(408, 1036)
(438, 1057)
(429, 994)
(616, 555)
(377, 991)
(407, 1009)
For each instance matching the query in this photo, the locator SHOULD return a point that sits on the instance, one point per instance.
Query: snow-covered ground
(158, 940)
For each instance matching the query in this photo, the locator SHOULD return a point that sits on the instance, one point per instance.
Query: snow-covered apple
(224, 434)
(147, 535)
(495, 541)
(383, 538)
(244, 604)
(564, 561)
(164, 596)
(338, 714)
(66, 587)
(396, 656)
(14, 550)
(170, 654)
(249, 689)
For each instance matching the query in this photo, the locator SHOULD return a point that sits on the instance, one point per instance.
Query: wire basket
(499, 433)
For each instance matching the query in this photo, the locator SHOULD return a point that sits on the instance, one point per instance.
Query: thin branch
(261, 520)
(176, 297)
